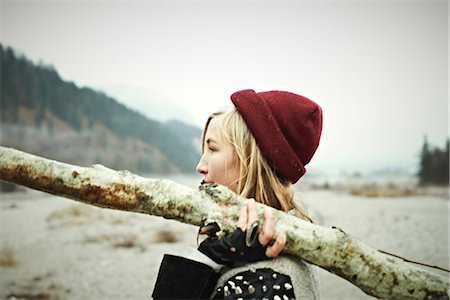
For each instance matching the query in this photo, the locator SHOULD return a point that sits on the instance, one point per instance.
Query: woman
(258, 148)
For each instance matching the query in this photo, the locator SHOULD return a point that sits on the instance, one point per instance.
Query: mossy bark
(373, 272)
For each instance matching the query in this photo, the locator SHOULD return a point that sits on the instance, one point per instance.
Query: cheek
(222, 170)
(217, 168)
(230, 171)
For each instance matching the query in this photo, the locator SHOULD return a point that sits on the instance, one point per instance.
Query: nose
(202, 166)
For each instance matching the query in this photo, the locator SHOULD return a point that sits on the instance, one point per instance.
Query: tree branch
(373, 272)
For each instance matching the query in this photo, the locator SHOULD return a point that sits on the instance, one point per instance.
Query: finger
(242, 221)
(278, 246)
(252, 212)
(266, 234)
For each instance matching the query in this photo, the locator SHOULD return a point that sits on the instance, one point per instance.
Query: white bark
(375, 273)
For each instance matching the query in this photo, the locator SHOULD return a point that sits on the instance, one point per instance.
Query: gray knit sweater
(303, 275)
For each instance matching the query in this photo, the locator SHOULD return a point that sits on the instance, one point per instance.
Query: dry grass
(126, 242)
(115, 240)
(82, 214)
(377, 190)
(29, 296)
(165, 236)
(7, 258)
(74, 211)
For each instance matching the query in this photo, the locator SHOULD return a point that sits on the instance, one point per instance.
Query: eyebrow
(210, 140)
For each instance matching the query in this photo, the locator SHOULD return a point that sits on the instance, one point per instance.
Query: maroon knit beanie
(286, 127)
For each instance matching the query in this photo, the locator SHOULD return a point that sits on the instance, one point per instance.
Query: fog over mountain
(150, 103)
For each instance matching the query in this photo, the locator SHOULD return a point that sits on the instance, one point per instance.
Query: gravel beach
(55, 248)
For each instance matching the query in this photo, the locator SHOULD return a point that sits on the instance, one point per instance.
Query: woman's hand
(246, 242)
(249, 215)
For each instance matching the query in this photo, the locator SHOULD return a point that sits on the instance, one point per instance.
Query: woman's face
(219, 161)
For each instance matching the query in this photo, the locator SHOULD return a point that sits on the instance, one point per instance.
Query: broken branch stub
(375, 273)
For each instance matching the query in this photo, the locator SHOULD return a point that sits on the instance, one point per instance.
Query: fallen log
(375, 273)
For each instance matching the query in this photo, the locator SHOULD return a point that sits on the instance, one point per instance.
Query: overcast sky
(379, 69)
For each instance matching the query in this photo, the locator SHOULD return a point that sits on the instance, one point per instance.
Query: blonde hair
(256, 177)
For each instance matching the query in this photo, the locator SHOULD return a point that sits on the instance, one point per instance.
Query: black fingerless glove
(236, 246)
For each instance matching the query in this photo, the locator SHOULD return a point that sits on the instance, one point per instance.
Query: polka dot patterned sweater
(283, 278)
(257, 284)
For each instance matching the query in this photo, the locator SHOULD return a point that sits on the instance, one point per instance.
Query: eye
(212, 149)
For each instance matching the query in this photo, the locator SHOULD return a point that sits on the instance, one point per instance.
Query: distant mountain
(152, 104)
(42, 114)
(185, 133)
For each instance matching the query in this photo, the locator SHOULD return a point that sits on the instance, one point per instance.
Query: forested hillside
(43, 114)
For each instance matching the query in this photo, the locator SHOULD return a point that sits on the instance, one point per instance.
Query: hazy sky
(379, 69)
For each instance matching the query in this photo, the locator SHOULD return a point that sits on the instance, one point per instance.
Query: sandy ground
(55, 248)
